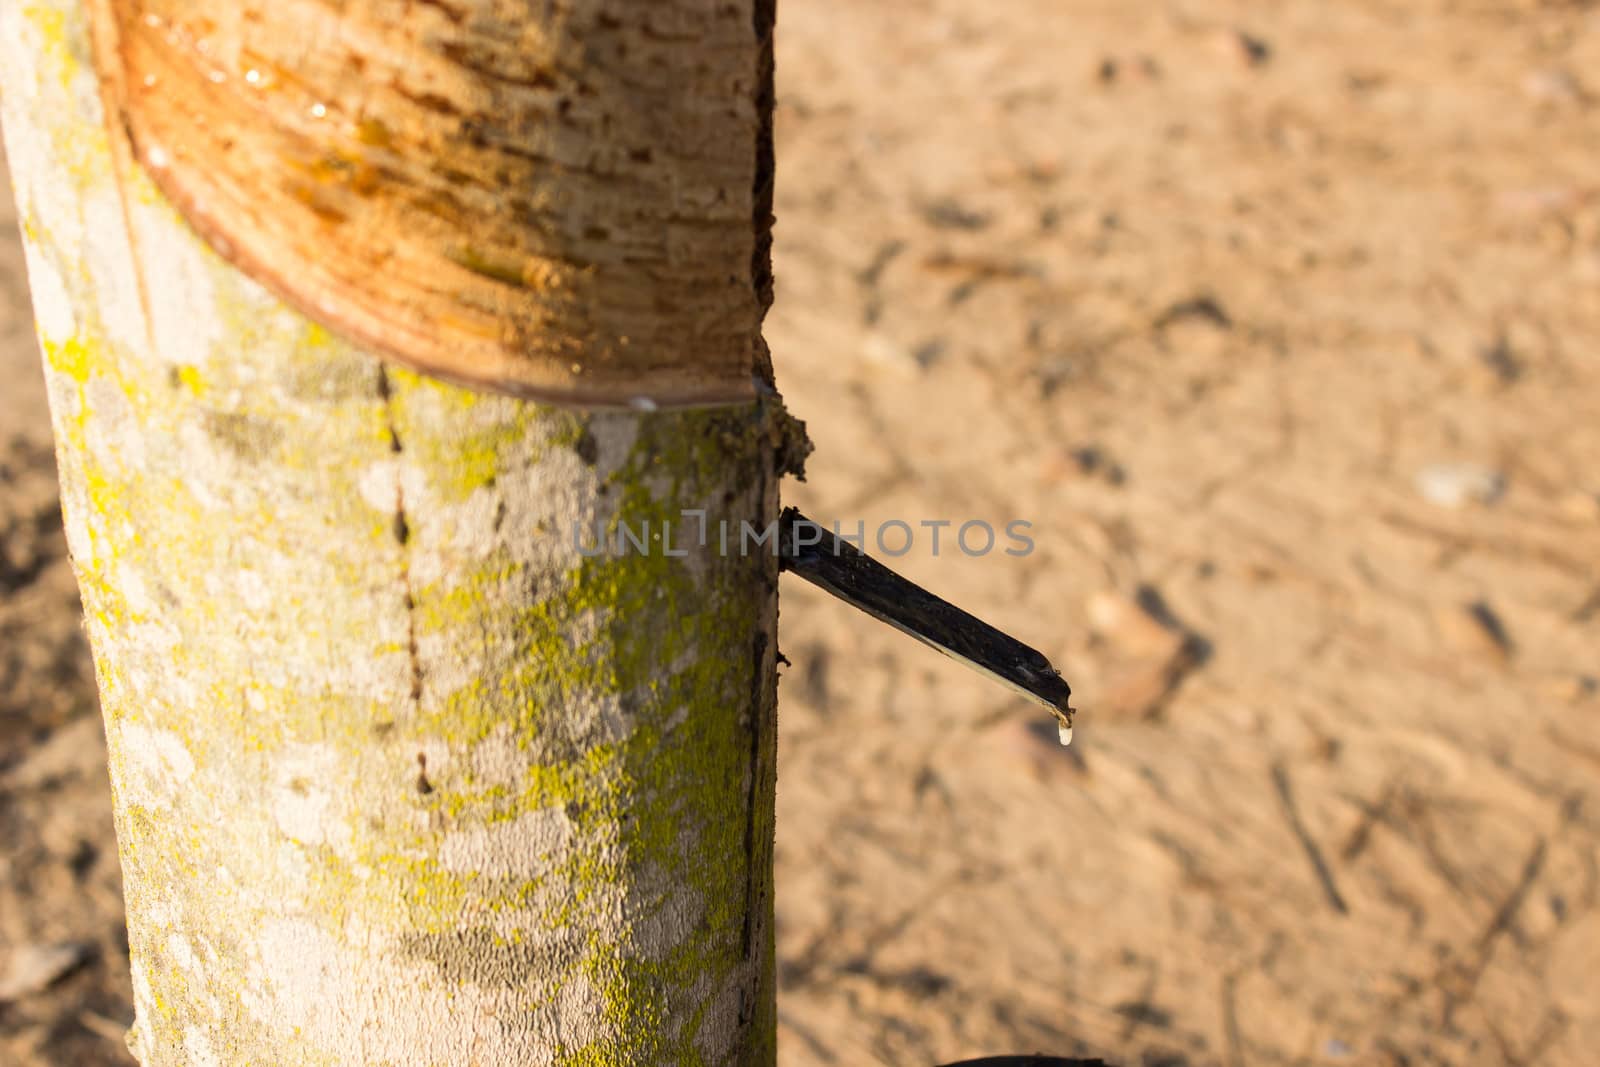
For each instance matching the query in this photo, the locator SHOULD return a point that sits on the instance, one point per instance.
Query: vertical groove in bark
(402, 534)
(554, 851)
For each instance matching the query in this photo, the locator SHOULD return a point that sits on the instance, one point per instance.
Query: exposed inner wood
(552, 200)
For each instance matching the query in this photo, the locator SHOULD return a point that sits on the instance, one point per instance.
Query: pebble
(1455, 485)
(1085, 462)
(1496, 364)
(880, 351)
(1126, 625)
(33, 968)
(1241, 48)
(1570, 688)
(1475, 629)
(1137, 69)
(1148, 656)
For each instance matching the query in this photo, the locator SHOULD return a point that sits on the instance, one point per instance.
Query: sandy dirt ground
(1281, 326)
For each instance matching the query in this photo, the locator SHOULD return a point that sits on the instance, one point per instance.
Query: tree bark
(402, 774)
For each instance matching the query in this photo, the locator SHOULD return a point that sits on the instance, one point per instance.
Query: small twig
(823, 559)
(1371, 815)
(1280, 778)
(1467, 974)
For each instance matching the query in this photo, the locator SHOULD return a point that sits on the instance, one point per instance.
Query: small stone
(32, 968)
(1147, 655)
(1475, 629)
(1085, 462)
(1496, 364)
(1570, 688)
(882, 352)
(1133, 69)
(1455, 485)
(1129, 627)
(1241, 48)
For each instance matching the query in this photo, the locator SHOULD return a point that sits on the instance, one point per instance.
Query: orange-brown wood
(553, 199)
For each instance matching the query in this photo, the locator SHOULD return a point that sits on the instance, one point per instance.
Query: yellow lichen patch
(51, 25)
(71, 357)
(65, 87)
(190, 378)
(491, 431)
(31, 232)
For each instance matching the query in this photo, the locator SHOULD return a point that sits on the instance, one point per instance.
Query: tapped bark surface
(402, 774)
(551, 200)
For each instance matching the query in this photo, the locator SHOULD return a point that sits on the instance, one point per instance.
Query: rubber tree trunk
(402, 774)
